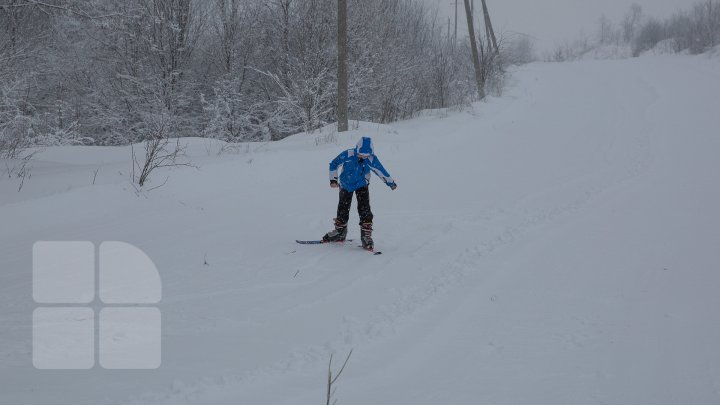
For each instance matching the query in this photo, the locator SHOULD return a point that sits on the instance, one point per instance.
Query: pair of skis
(322, 242)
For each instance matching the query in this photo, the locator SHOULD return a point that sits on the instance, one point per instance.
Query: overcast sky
(553, 21)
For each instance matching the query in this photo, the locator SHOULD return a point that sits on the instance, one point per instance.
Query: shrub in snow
(16, 126)
(695, 31)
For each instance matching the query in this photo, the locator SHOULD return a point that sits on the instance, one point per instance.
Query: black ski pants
(363, 205)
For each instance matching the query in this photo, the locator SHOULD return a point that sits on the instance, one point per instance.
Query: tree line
(106, 72)
(696, 30)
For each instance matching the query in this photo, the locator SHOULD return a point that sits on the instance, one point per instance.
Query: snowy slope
(557, 245)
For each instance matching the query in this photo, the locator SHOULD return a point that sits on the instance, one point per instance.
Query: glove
(392, 186)
(334, 184)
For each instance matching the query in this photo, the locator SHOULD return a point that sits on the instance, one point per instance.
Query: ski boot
(338, 234)
(366, 236)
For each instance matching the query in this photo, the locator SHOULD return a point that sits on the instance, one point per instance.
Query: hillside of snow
(557, 245)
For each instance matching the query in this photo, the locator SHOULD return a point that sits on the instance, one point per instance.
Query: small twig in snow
(95, 176)
(156, 187)
(331, 380)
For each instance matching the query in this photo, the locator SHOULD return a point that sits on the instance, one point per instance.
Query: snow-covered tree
(233, 69)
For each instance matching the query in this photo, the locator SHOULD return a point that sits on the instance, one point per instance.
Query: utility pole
(473, 45)
(342, 74)
(456, 18)
(489, 28)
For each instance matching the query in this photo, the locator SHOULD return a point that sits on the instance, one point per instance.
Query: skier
(356, 165)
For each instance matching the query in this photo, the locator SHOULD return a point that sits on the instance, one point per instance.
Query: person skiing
(357, 165)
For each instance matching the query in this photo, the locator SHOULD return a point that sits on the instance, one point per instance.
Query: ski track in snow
(454, 257)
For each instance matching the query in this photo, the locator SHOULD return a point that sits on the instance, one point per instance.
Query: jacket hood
(365, 146)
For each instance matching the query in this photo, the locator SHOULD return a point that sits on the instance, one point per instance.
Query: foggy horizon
(555, 22)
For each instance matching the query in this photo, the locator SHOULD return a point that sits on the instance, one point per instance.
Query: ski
(322, 242)
(318, 242)
(370, 250)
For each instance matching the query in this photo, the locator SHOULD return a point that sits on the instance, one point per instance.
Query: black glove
(334, 184)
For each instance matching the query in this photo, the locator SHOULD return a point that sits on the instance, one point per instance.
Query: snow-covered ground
(557, 245)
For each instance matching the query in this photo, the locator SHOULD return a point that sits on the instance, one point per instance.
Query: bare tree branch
(43, 6)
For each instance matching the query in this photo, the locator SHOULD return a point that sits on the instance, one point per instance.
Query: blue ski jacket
(357, 164)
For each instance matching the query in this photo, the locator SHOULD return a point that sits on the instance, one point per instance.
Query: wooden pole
(489, 28)
(456, 19)
(473, 45)
(342, 112)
